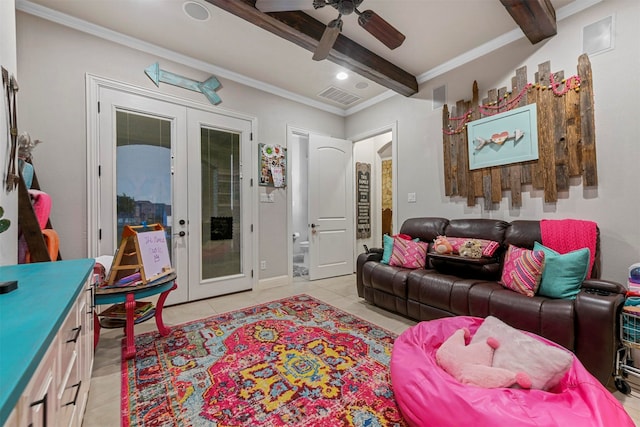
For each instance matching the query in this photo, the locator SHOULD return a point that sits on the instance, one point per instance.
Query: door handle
(314, 226)
(180, 234)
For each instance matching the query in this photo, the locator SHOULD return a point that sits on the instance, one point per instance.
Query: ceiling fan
(368, 19)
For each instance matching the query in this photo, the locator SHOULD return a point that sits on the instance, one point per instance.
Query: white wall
(55, 59)
(8, 200)
(614, 205)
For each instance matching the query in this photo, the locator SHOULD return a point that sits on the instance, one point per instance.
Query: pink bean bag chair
(429, 396)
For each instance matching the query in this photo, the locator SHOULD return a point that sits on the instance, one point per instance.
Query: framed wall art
(503, 138)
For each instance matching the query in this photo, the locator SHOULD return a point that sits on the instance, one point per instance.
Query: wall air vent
(439, 97)
(338, 95)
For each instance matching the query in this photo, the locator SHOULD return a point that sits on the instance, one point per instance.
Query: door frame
(93, 84)
(291, 132)
(393, 128)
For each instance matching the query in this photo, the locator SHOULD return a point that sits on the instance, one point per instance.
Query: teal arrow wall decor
(207, 87)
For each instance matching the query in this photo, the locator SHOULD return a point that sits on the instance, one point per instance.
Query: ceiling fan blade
(283, 5)
(329, 37)
(380, 29)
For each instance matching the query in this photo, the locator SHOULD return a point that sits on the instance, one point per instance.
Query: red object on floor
(429, 396)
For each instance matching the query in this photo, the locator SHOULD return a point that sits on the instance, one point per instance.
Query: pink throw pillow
(522, 270)
(489, 247)
(408, 254)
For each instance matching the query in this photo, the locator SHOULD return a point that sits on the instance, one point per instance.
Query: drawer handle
(93, 298)
(75, 338)
(43, 402)
(75, 398)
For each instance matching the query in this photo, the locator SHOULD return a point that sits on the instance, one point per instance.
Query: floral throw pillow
(522, 270)
(408, 254)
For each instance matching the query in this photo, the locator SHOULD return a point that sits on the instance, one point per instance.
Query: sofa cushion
(424, 228)
(519, 352)
(563, 274)
(478, 228)
(408, 254)
(522, 270)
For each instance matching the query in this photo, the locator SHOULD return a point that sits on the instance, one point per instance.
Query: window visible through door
(221, 231)
(143, 171)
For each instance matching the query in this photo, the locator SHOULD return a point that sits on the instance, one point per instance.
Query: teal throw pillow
(387, 248)
(563, 273)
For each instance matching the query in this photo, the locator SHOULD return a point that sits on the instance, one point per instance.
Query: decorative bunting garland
(572, 83)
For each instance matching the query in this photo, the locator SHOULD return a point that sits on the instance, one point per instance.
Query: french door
(182, 167)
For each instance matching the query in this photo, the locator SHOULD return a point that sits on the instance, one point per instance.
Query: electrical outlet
(263, 265)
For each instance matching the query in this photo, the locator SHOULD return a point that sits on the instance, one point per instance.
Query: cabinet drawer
(70, 333)
(39, 398)
(68, 393)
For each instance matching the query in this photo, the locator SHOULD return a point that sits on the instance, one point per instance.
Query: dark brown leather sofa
(450, 286)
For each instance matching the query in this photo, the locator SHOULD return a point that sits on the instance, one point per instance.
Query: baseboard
(273, 282)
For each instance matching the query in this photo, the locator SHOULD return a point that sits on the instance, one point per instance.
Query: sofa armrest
(599, 285)
(362, 258)
(598, 307)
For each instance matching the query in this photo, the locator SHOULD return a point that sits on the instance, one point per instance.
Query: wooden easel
(129, 259)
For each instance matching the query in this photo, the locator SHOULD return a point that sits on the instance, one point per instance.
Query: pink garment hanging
(566, 235)
(41, 206)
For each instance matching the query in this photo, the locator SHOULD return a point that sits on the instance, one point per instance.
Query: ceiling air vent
(338, 95)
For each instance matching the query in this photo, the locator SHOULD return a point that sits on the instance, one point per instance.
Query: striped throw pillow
(522, 270)
(408, 254)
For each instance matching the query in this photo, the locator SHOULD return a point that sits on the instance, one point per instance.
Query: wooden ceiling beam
(536, 18)
(305, 31)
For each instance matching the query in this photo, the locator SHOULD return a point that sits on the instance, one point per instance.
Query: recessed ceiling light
(342, 75)
(196, 11)
(362, 85)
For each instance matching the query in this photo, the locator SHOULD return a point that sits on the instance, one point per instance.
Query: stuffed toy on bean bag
(472, 364)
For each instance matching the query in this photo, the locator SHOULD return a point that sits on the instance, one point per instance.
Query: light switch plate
(411, 197)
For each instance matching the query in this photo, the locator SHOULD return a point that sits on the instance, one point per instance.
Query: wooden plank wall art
(566, 138)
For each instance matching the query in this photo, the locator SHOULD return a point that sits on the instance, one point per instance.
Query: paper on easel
(155, 253)
(277, 175)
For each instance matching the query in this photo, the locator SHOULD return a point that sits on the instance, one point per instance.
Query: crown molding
(137, 44)
(26, 6)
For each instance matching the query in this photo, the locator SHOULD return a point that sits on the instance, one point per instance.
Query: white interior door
(331, 204)
(156, 167)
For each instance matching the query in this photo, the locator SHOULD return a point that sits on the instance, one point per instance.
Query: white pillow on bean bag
(519, 352)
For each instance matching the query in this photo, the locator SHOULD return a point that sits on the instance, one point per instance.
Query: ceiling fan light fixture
(329, 37)
(380, 29)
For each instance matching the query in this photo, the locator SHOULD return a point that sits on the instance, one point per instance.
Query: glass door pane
(143, 171)
(221, 219)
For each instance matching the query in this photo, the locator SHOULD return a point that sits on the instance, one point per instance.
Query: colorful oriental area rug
(291, 362)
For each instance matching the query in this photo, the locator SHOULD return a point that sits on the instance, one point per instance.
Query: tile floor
(103, 408)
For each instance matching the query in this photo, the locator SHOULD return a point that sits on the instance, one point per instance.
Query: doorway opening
(378, 149)
(321, 213)
(299, 165)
